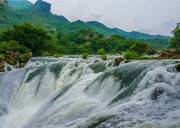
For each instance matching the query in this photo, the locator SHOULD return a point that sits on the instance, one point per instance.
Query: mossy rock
(178, 67)
(117, 61)
(103, 57)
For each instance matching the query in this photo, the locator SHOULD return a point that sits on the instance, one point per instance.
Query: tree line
(41, 42)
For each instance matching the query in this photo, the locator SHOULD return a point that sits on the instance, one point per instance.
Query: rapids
(73, 93)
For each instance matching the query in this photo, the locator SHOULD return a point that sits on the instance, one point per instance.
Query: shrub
(85, 55)
(140, 48)
(175, 41)
(104, 57)
(2, 57)
(132, 55)
(101, 51)
(37, 39)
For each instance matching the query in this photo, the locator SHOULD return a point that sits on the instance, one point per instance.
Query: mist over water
(73, 93)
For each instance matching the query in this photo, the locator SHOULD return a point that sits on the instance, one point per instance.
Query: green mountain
(22, 11)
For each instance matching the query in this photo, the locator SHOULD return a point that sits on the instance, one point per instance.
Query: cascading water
(74, 93)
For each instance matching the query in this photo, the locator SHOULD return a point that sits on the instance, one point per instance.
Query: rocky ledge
(16, 59)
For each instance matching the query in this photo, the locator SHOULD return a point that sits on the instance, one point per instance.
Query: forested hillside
(22, 11)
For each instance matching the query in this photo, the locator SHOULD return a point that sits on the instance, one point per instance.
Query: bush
(140, 48)
(104, 57)
(85, 55)
(175, 41)
(101, 51)
(132, 55)
(34, 38)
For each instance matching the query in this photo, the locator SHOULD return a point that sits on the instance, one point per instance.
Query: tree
(34, 38)
(175, 41)
(141, 48)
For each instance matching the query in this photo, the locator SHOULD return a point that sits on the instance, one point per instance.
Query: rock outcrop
(43, 6)
(16, 59)
(170, 54)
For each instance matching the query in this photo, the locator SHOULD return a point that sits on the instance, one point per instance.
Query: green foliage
(175, 41)
(2, 57)
(23, 59)
(34, 38)
(26, 37)
(104, 57)
(85, 55)
(91, 42)
(23, 11)
(140, 47)
(101, 51)
(132, 55)
(12, 46)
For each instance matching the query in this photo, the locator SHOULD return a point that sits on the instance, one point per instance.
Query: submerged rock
(127, 61)
(9, 68)
(170, 54)
(98, 67)
(3, 111)
(157, 92)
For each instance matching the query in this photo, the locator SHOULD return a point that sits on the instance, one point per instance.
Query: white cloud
(150, 16)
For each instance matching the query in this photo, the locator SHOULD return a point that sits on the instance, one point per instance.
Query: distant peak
(43, 6)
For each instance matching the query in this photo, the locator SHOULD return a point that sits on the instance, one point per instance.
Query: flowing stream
(75, 93)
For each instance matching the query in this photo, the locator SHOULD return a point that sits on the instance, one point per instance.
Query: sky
(147, 16)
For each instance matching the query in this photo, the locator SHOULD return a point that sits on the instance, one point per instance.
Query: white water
(75, 93)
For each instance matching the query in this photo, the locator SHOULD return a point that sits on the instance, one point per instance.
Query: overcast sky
(149, 16)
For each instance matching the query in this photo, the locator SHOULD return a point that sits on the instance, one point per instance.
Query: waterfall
(73, 93)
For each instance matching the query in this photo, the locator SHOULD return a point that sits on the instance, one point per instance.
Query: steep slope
(23, 11)
(157, 41)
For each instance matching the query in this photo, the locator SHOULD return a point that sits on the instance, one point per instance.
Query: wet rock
(157, 92)
(11, 57)
(96, 61)
(98, 67)
(127, 61)
(170, 54)
(9, 68)
(17, 59)
(2, 65)
(23, 59)
(117, 61)
(3, 111)
(178, 67)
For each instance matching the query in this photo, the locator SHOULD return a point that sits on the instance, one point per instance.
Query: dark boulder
(3, 111)
(157, 92)
(117, 61)
(178, 67)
